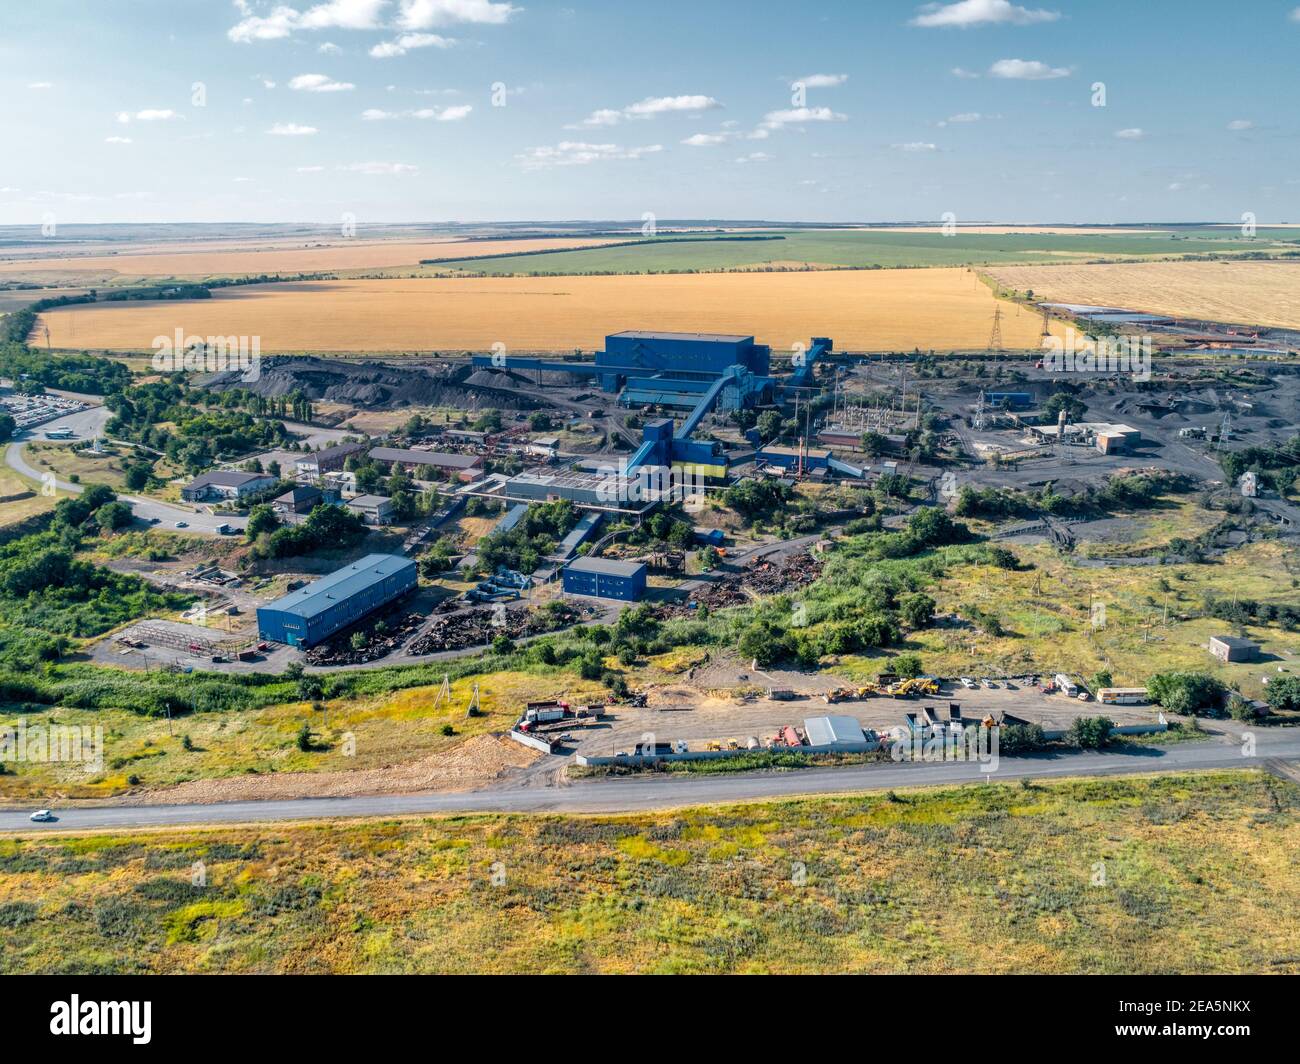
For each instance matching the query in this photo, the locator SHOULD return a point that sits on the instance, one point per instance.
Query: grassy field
(1046, 612)
(19, 498)
(225, 260)
(1253, 293)
(941, 309)
(400, 728)
(866, 248)
(1173, 874)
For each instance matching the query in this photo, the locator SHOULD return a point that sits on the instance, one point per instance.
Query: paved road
(86, 425)
(540, 793)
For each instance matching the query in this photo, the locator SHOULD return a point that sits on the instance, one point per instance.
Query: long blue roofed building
(313, 613)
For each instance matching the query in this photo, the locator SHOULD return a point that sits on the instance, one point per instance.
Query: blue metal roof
(317, 597)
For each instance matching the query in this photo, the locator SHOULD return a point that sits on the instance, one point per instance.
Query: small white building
(372, 509)
(222, 484)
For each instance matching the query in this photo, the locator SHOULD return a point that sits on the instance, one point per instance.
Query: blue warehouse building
(605, 578)
(313, 613)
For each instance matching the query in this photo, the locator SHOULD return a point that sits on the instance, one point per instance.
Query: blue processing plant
(698, 372)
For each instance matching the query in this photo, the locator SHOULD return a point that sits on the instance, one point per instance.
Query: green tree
(1090, 733)
(1284, 694)
(261, 519)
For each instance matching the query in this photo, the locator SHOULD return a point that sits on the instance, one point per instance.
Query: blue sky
(387, 110)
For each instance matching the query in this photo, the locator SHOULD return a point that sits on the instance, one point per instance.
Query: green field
(876, 248)
(1168, 874)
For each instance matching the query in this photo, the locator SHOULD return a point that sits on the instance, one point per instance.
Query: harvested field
(870, 310)
(228, 261)
(1250, 293)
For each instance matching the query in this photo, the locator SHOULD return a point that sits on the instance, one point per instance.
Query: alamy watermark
(1086, 354)
(651, 484)
(180, 353)
(42, 744)
(938, 743)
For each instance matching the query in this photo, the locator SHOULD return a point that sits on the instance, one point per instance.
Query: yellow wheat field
(1250, 293)
(862, 310)
(200, 262)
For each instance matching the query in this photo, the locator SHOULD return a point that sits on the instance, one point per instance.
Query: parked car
(966, 681)
(42, 816)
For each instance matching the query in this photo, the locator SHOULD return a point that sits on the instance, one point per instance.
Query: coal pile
(376, 385)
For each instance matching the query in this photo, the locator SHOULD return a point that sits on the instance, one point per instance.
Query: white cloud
(310, 169)
(279, 24)
(821, 81)
(149, 114)
(755, 157)
(799, 116)
(329, 48)
(40, 85)
(425, 14)
(965, 116)
(916, 145)
(453, 114)
(962, 72)
(708, 140)
(292, 129)
(1238, 125)
(1027, 70)
(603, 117)
(1295, 15)
(1131, 134)
(407, 42)
(319, 83)
(657, 105)
(381, 168)
(438, 114)
(579, 153)
(117, 140)
(284, 20)
(968, 13)
(648, 108)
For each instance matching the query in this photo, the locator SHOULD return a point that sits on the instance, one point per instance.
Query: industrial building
(605, 578)
(330, 460)
(313, 613)
(1233, 648)
(225, 485)
(299, 500)
(836, 733)
(699, 372)
(372, 509)
(806, 458)
(414, 461)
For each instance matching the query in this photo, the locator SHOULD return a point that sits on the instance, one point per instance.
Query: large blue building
(701, 356)
(605, 578)
(313, 613)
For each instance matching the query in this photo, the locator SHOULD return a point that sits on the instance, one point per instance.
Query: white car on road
(42, 816)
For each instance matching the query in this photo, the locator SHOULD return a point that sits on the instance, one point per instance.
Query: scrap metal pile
(762, 578)
(479, 627)
(338, 650)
